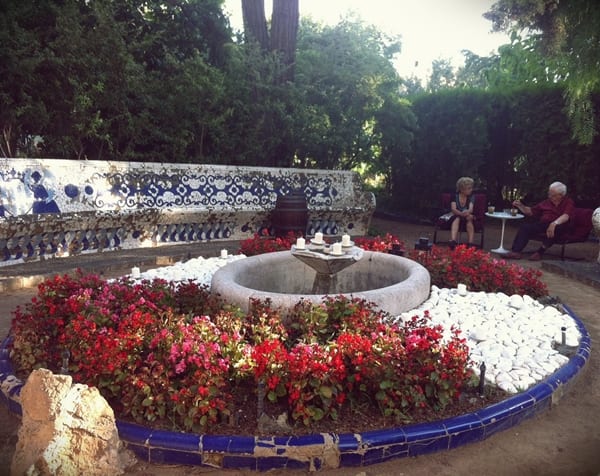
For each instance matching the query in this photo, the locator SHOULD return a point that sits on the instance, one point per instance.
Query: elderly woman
(462, 210)
(552, 217)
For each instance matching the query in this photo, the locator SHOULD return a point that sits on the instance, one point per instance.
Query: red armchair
(578, 233)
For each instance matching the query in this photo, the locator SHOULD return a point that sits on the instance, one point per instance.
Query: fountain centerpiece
(327, 261)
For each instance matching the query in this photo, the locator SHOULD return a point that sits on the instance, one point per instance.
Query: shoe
(452, 244)
(537, 256)
(512, 255)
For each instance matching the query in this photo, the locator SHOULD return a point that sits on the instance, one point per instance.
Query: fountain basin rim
(395, 298)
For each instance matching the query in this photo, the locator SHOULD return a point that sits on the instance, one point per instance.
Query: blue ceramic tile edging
(327, 450)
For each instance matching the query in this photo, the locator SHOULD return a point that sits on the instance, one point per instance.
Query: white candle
(336, 249)
(223, 254)
(462, 289)
(318, 237)
(345, 240)
(300, 242)
(135, 272)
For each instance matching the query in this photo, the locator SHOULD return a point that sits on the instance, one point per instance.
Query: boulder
(66, 430)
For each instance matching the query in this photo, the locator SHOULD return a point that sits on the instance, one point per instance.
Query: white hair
(559, 187)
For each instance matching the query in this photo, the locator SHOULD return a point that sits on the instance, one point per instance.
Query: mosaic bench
(51, 208)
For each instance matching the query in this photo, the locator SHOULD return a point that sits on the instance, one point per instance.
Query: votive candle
(224, 254)
(318, 237)
(300, 243)
(135, 272)
(462, 289)
(336, 248)
(345, 240)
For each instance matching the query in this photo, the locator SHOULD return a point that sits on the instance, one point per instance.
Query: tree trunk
(284, 33)
(255, 23)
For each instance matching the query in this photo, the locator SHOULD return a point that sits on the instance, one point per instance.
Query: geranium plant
(266, 243)
(156, 359)
(479, 271)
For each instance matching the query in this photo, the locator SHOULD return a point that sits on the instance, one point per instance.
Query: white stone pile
(199, 270)
(514, 336)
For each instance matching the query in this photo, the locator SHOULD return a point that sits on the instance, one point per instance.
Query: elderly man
(552, 219)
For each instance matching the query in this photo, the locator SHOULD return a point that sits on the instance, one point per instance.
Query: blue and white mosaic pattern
(55, 207)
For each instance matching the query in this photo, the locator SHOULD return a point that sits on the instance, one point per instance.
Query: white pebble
(513, 335)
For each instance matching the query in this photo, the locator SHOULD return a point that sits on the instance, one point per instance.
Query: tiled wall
(55, 207)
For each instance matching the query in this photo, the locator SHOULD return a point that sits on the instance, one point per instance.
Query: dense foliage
(568, 33)
(515, 138)
(170, 82)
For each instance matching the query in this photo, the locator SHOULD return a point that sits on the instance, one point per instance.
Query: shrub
(153, 362)
(259, 244)
(480, 271)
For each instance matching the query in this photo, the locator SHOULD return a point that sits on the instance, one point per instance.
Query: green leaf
(318, 413)
(326, 391)
(147, 401)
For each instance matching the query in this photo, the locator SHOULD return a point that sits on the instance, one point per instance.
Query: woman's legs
(470, 232)
(454, 229)
(470, 229)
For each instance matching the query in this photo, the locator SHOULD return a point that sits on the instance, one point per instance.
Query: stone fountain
(393, 283)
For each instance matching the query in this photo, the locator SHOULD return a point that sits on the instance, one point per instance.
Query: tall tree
(255, 22)
(284, 34)
(344, 75)
(442, 75)
(568, 31)
(515, 65)
(284, 30)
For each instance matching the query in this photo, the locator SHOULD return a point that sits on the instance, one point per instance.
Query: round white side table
(503, 216)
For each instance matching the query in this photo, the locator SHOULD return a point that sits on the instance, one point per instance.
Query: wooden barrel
(290, 214)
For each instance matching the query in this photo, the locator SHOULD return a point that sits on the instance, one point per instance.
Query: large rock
(66, 430)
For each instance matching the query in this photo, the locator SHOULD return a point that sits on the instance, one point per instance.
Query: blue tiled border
(313, 452)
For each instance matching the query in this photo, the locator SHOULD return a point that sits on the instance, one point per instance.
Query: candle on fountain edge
(135, 272)
(223, 254)
(300, 242)
(336, 249)
(318, 237)
(345, 240)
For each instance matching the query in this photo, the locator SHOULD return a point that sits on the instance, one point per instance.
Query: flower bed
(178, 353)
(160, 350)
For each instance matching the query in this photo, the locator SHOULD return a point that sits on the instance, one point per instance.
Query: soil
(563, 441)
(350, 420)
